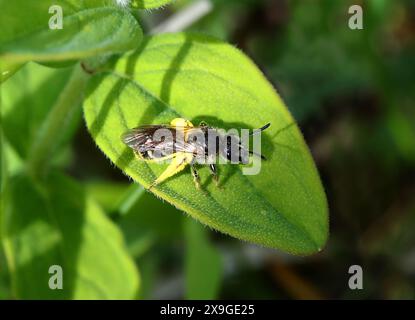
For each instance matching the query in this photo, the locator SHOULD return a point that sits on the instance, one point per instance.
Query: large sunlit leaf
(59, 224)
(200, 78)
(89, 28)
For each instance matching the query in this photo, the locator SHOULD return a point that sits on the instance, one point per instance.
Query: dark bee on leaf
(184, 144)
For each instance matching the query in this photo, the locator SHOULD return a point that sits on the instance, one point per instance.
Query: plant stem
(127, 201)
(185, 18)
(52, 129)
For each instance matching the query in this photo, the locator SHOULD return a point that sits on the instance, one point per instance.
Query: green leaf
(27, 99)
(4, 175)
(8, 69)
(145, 216)
(203, 264)
(150, 4)
(11, 160)
(200, 78)
(107, 194)
(5, 290)
(138, 214)
(88, 30)
(58, 224)
(3, 163)
(4, 171)
(140, 221)
(52, 131)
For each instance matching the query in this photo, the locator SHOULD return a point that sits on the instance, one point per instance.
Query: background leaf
(88, 30)
(3, 163)
(141, 223)
(27, 99)
(8, 69)
(4, 174)
(200, 78)
(203, 264)
(58, 224)
(106, 194)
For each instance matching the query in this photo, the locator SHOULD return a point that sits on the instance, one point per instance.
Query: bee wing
(141, 139)
(137, 137)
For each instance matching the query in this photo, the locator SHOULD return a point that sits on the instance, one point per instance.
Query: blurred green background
(352, 93)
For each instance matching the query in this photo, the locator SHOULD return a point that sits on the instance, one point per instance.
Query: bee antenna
(261, 129)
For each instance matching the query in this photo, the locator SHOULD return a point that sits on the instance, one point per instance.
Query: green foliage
(3, 163)
(52, 131)
(282, 207)
(150, 4)
(27, 99)
(203, 264)
(88, 30)
(140, 222)
(7, 69)
(99, 232)
(59, 224)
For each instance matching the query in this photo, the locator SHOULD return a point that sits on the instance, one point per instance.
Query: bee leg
(214, 173)
(196, 178)
(138, 155)
(178, 163)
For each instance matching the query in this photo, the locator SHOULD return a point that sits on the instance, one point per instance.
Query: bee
(184, 144)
